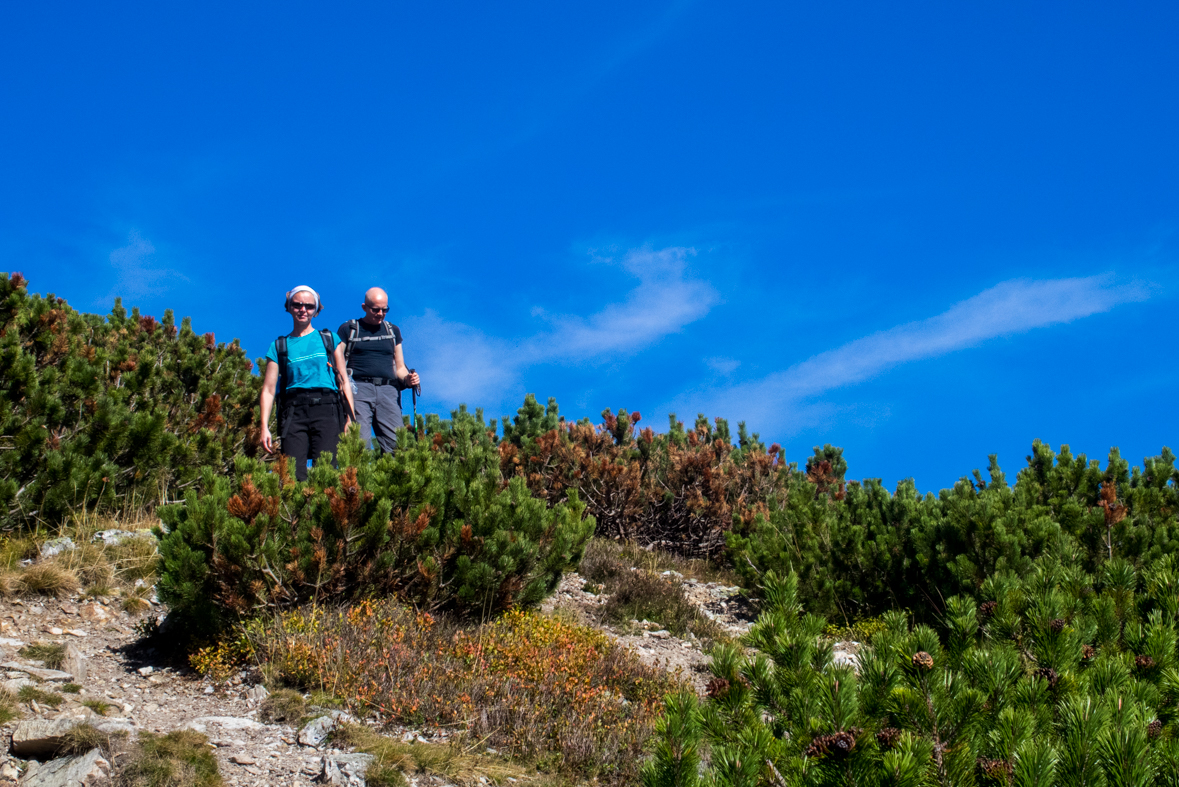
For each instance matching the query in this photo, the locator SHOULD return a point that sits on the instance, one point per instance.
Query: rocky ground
(143, 693)
(655, 645)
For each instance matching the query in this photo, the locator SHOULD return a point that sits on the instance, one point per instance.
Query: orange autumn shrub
(541, 688)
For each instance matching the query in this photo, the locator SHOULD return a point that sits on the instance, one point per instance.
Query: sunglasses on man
(378, 309)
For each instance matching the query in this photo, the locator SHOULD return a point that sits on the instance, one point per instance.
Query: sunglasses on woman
(304, 306)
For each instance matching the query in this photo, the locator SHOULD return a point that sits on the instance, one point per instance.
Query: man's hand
(267, 441)
(412, 380)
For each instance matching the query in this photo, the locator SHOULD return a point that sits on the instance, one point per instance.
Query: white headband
(303, 288)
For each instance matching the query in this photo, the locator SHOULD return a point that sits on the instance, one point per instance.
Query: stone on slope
(87, 770)
(315, 732)
(40, 737)
(51, 675)
(74, 663)
(345, 770)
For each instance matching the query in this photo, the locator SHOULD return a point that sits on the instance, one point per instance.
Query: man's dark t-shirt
(371, 358)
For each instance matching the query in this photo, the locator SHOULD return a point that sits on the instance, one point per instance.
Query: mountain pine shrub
(111, 413)
(1067, 678)
(859, 550)
(434, 524)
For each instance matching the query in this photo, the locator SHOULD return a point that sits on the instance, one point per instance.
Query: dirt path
(653, 644)
(143, 693)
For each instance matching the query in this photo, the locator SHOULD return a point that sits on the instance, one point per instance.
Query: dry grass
(283, 706)
(47, 578)
(85, 737)
(93, 568)
(605, 558)
(639, 595)
(642, 594)
(454, 761)
(9, 709)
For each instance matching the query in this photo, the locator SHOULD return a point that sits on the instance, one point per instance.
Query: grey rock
(145, 671)
(75, 663)
(661, 634)
(55, 546)
(14, 685)
(201, 723)
(51, 675)
(88, 770)
(316, 731)
(40, 737)
(242, 759)
(345, 770)
(115, 536)
(258, 693)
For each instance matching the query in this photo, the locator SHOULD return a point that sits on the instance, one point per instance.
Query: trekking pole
(415, 392)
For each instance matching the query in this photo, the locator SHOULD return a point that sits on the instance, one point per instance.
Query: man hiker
(372, 350)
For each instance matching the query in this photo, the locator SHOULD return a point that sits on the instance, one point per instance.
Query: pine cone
(835, 746)
(1088, 652)
(987, 609)
(922, 660)
(994, 771)
(1144, 663)
(1154, 729)
(1057, 625)
(1048, 674)
(887, 738)
(718, 687)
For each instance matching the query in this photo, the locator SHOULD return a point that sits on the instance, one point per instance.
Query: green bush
(434, 524)
(1056, 678)
(111, 413)
(859, 551)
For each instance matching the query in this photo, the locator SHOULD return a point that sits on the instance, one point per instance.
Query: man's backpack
(280, 346)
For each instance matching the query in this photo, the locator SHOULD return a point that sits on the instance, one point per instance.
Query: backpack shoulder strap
(353, 329)
(280, 346)
(329, 346)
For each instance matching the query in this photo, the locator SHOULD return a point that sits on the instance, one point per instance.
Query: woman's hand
(412, 380)
(267, 440)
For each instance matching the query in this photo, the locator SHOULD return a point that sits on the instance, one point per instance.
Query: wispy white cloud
(137, 273)
(466, 364)
(787, 399)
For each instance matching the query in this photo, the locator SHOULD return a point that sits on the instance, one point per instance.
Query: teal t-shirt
(307, 361)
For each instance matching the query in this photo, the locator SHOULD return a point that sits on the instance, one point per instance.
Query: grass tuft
(47, 578)
(85, 737)
(283, 706)
(71, 688)
(639, 595)
(51, 654)
(41, 697)
(8, 707)
(98, 706)
(181, 758)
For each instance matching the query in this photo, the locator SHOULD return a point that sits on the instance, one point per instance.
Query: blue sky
(925, 232)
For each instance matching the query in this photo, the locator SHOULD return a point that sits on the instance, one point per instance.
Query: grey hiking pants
(378, 410)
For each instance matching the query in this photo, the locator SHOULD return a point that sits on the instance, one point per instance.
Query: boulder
(74, 663)
(345, 770)
(87, 770)
(40, 737)
(50, 675)
(115, 536)
(316, 731)
(55, 546)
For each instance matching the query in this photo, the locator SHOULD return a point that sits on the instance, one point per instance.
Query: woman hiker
(307, 368)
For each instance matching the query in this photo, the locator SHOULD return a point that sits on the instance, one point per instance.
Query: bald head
(376, 305)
